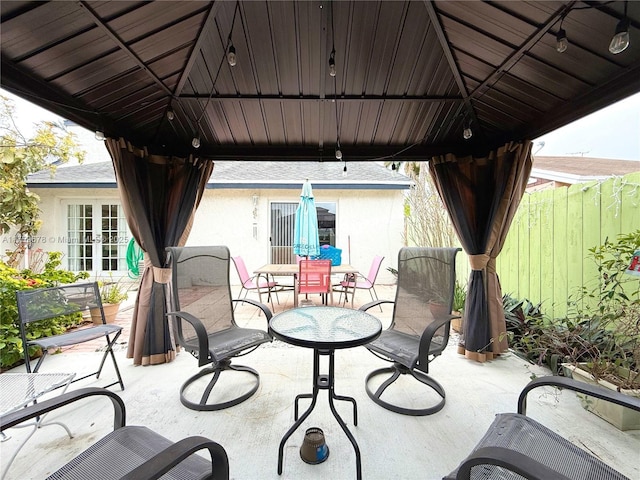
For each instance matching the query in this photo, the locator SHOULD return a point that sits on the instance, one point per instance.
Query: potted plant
(459, 297)
(598, 341)
(112, 294)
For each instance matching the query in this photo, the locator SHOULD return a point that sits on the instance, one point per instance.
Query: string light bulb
(332, 63)
(467, 133)
(338, 153)
(170, 115)
(195, 143)
(231, 55)
(344, 170)
(620, 40)
(99, 135)
(561, 41)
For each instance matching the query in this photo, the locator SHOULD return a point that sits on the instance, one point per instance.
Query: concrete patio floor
(392, 446)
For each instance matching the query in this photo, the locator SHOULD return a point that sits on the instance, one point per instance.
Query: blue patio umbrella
(306, 242)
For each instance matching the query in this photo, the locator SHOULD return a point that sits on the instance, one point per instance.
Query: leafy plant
(601, 330)
(459, 297)
(19, 157)
(113, 291)
(525, 327)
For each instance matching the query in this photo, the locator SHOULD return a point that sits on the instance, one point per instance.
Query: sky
(613, 132)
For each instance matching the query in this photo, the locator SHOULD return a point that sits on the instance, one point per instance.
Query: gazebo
(173, 86)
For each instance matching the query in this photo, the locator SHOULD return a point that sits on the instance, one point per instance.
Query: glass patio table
(325, 329)
(18, 390)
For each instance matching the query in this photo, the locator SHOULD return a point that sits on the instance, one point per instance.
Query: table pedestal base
(323, 382)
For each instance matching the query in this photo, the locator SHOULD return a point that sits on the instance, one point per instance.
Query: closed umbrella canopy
(306, 242)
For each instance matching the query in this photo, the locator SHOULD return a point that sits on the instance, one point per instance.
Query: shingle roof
(249, 174)
(580, 169)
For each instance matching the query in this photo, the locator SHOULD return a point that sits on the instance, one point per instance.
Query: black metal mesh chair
(516, 446)
(129, 452)
(205, 325)
(419, 329)
(42, 304)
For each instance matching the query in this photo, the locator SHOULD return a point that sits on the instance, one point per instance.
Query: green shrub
(12, 280)
(602, 327)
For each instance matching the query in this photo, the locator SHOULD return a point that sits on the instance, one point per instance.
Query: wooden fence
(545, 257)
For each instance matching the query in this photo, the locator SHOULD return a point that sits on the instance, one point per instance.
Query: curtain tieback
(160, 275)
(479, 262)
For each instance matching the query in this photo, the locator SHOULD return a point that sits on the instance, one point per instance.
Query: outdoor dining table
(291, 269)
(325, 329)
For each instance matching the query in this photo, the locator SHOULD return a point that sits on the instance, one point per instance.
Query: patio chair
(516, 446)
(205, 326)
(419, 329)
(42, 304)
(129, 452)
(314, 276)
(254, 283)
(353, 282)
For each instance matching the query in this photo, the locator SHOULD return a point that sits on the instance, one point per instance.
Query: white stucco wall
(52, 236)
(370, 221)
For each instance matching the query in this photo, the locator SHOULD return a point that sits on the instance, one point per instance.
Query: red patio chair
(314, 276)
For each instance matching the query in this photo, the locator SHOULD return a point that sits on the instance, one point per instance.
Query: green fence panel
(545, 257)
(560, 277)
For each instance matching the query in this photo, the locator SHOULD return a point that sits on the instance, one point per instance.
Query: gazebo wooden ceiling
(411, 75)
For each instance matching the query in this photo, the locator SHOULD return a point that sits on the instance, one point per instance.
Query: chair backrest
(200, 286)
(314, 276)
(241, 268)
(375, 268)
(426, 282)
(45, 303)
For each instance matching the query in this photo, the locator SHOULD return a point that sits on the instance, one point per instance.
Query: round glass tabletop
(325, 327)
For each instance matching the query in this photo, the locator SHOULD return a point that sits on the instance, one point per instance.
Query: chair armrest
(164, 461)
(429, 332)
(201, 332)
(38, 409)
(580, 387)
(509, 459)
(261, 306)
(375, 303)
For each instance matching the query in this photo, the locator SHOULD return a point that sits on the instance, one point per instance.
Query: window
(97, 237)
(326, 223)
(283, 217)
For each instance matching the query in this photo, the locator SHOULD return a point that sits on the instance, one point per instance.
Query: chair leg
(110, 344)
(396, 371)
(372, 292)
(217, 370)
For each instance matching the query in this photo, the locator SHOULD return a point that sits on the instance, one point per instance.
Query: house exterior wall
(371, 222)
(52, 236)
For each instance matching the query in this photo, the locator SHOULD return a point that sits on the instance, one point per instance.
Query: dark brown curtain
(160, 195)
(482, 196)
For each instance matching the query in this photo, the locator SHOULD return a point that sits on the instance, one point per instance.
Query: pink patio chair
(352, 282)
(255, 283)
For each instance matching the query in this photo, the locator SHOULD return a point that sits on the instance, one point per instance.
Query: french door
(97, 237)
